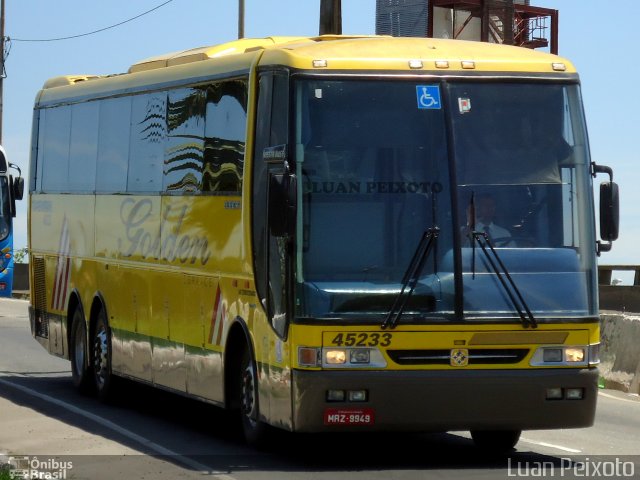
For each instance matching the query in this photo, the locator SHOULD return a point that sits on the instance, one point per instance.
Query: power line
(90, 33)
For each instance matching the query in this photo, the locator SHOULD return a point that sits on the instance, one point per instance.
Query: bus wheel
(255, 431)
(496, 440)
(80, 370)
(103, 378)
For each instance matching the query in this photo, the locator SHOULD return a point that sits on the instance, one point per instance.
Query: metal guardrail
(605, 273)
(621, 298)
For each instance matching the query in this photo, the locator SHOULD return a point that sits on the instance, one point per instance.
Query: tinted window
(225, 130)
(522, 168)
(41, 123)
(148, 135)
(189, 140)
(113, 145)
(56, 146)
(84, 147)
(374, 192)
(184, 147)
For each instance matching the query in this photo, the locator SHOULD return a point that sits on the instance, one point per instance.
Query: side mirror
(609, 211)
(18, 188)
(609, 208)
(16, 185)
(282, 204)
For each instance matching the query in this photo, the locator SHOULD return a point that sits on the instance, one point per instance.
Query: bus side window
(84, 147)
(56, 145)
(225, 132)
(147, 142)
(113, 145)
(185, 140)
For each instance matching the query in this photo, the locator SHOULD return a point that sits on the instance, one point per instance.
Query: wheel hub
(248, 395)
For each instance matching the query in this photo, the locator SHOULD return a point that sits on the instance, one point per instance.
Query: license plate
(349, 416)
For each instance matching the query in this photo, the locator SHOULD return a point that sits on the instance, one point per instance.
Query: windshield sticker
(464, 104)
(372, 187)
(428, 97)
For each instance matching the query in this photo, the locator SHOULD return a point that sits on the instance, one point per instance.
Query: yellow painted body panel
(383, 53)
(448, 337)
(143, 254)
(206, 53)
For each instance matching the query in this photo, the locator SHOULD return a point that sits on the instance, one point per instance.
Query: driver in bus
(485, 206)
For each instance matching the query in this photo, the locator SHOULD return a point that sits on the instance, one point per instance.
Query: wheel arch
(97, 304)
(75, 302)
(237, 340)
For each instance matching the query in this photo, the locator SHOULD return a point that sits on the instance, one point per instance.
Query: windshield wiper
(411, 276)
(509, 286)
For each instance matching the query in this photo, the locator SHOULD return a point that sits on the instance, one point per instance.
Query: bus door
(271, 168)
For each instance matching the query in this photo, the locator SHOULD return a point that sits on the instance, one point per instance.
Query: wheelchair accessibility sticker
(428, 97)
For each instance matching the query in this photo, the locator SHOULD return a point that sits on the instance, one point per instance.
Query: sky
(601, 43)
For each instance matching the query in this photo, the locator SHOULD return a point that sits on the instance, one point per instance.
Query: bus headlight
(552, 355)
(335, 357)
(574, 354)
(359, 355)
(352, 357)
(560, 355)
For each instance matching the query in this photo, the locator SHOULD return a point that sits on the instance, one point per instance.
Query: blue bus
(11, 189)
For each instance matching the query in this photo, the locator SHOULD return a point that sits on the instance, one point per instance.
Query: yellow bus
(337, 233)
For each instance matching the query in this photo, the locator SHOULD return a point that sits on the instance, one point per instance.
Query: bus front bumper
(444, 400)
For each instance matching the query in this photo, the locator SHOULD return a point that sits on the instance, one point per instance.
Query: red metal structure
(503, 21)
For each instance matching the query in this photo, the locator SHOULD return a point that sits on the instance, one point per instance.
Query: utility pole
(330, 17)
(1, 64)
(240, 18)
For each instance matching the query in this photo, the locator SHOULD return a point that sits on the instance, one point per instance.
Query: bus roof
(326, 52)
(390, 53)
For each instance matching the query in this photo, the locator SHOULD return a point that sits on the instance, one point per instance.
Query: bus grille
(479, 356)
(40, 298)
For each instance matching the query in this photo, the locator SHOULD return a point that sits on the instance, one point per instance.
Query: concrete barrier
(620, 351)
(620, 329)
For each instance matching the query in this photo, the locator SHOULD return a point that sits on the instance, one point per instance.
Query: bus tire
(255, 431)
(101, 358)
(81, 373)
(498, 441)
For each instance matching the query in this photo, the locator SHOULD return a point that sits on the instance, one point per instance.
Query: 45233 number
(362, 339)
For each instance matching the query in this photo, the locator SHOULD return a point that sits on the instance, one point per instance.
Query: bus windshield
(379, 166)
(5, 208)
(522, 156)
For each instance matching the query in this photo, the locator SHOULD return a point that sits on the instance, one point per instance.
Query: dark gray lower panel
(449, 400)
